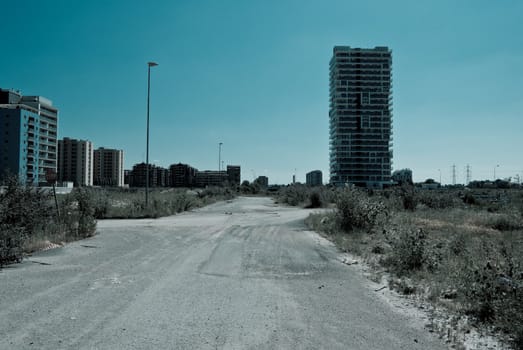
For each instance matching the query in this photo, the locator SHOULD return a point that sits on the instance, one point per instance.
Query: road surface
(243, 274)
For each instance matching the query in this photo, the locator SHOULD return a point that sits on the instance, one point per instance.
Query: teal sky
(254, 75)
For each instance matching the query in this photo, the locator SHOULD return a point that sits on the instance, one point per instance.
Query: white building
(75, 161)
(108, 167)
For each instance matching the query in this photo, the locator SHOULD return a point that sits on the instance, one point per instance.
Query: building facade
(360, 116)
(314, 178)
(402, 177)
(108, 167)
(75, 162)
(211, 178)
(139, 175)
(28, 136)
(234, 173)
(182, 175)
(262, 181)
(162, 177)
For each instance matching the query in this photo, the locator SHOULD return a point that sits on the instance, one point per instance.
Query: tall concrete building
(360, 116)
(182, 175)
(234, 173)
(75, 161)
(314, 178)
(262, 181)
(108, 167)
(139, 175)
(211, 178)
(28, 136)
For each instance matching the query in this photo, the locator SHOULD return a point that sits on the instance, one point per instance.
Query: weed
(408, 251)
(315, 200)
(356, 210)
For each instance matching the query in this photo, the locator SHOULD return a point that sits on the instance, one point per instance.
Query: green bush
(506, 222)
(12, 240)
(438, 200)
(294, 195)
(315, 200)
(356, 210)
(408, 198)
(409, 251)
(24, 212)
(78, 214)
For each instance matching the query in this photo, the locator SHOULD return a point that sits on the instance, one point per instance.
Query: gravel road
(242, 274)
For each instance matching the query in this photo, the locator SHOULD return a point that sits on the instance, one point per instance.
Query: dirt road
(245, 274)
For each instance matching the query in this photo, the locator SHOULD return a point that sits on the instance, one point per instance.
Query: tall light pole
(439, 176)
(220, 156)
(149, 65)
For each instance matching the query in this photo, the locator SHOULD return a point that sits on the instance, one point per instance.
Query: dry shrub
(356, 210)
(309, 197)
(24, 212)
(438, 200)
(409, 252)
(315, 200)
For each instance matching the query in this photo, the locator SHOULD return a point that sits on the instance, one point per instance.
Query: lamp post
(439, 176)
(149, 65)
(220, 156)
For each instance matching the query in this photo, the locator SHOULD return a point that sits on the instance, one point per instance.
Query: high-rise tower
(108, 167)
(75, 161)
(360, 116)
(28, 136)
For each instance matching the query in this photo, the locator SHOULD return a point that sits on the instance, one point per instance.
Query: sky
(254, 76)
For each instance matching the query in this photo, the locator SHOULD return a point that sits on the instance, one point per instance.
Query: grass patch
(130, 203)
(460, 250)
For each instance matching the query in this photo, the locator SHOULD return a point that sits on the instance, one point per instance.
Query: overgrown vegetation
(29, 220)
(458, 248)
(130, 203)
(305, 196)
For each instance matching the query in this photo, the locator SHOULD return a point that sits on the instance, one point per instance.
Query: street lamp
(439, 176)
(149, 65)
(220, 156)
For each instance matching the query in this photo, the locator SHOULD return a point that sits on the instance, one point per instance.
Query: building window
(365, 98)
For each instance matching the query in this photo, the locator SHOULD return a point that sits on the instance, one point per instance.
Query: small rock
(450, 294)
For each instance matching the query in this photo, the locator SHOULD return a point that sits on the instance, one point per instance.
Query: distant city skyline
(254, 76)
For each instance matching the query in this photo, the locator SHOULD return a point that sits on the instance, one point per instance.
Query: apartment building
(234, 174)
(402, 177)
(138, 177)
(314, 178)
(162, 177)
(28, 136)
(262, 181)
(108, 167)
(211, 178)
(360, 116)
(75, 161)
(182, 175)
